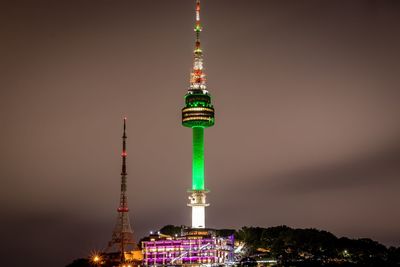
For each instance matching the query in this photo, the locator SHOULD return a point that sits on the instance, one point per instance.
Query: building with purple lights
(196, 247)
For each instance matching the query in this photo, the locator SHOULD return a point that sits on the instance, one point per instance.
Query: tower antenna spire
(122, 236)
(124, 154)
(197, 76)
(198, 28)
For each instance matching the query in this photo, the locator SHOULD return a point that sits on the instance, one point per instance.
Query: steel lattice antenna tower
(122, 236)
(198, 114)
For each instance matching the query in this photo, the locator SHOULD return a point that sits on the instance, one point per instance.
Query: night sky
(307, 127)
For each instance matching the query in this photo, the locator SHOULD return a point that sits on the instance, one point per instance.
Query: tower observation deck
(198, 114)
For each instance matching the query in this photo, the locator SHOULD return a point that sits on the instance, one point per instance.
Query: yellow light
(96, 258)
(197, 119)
(197, 109)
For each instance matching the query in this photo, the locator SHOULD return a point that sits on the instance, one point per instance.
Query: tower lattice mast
(198, 114)
(122, 236)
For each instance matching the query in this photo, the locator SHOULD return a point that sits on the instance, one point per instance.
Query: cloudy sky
(307, 127)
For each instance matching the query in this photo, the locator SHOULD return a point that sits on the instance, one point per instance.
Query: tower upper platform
(198, 110)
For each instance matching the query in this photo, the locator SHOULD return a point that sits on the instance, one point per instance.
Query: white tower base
(198, 203)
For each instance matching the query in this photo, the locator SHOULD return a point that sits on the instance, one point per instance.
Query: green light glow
(197, 28)
(198, 159)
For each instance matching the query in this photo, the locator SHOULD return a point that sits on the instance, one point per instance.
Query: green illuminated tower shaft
(198, 159)
(198, 114)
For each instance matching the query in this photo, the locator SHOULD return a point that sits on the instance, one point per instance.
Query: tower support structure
(122, 236)
(198, 114)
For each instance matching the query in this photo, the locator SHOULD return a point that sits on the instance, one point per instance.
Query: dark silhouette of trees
(171, 230)
(312, 247)
(299, 247)
(80, 263)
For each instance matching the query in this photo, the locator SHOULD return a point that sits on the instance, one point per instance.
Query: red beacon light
(123, 209)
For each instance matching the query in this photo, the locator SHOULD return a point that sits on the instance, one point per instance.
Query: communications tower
(198, 114)
(122, 236)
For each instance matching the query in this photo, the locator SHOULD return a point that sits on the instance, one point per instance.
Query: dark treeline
(312, 247)
(300, 247)
(307, 247)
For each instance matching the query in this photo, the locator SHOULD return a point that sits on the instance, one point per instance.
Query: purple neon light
(187, 250)
(184, 259)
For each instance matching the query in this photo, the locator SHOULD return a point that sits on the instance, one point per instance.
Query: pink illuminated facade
(188, 250)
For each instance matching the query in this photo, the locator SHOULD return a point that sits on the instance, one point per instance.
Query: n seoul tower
(198, 114)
